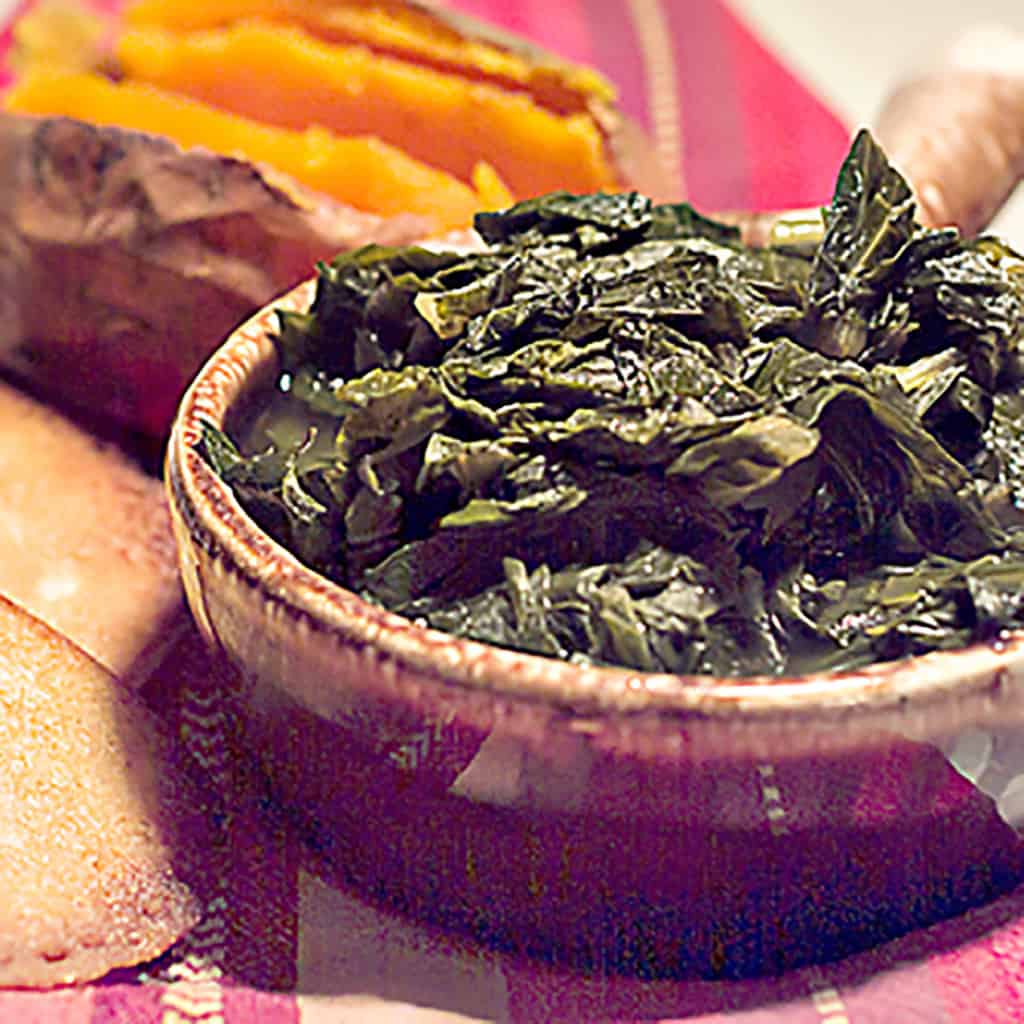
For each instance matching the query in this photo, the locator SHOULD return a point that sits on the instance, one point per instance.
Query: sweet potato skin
(124, 261)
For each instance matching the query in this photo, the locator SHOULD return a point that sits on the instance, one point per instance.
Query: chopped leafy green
(616, 435)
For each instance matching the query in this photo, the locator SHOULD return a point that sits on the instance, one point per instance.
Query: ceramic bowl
(701, 825)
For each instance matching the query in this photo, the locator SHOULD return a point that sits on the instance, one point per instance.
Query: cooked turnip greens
(617, 435)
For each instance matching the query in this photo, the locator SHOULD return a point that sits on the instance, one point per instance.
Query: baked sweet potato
(129, 249)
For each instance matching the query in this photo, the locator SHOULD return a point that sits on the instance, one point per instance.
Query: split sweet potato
(451, 92)
(159, 190)
(427, 35)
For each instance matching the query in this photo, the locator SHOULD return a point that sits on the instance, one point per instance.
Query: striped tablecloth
(283, 941)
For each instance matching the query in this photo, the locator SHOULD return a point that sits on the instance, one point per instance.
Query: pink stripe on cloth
(616, 51)
(246, 1006)
(71, 1006)
(906, 993)
(796, 143)
(716, 157)
(756, 138)
(981, 981)
(127, 1004)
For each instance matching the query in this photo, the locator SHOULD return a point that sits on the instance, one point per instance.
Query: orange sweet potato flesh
(282, 75)
(363, 172)
(125, 260)
(431, 36)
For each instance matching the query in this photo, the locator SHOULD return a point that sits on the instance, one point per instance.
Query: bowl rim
(935, 691)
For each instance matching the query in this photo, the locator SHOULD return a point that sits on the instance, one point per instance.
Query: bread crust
(85, 539)
(90, 872)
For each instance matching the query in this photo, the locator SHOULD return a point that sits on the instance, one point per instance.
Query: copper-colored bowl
(694, 824)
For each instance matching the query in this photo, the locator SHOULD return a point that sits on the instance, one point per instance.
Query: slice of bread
(85, 539)
(91, 860)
